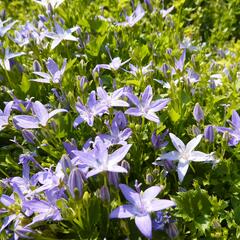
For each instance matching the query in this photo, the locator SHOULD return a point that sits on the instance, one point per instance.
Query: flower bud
(126, 165)
(104, 194)
(198, 113)
(149, 178)
(75, 183)
(113, 178)
(171, 230)
(196, 131)
(36, 66)
(209, 133)
(28, 136)
(66, 164)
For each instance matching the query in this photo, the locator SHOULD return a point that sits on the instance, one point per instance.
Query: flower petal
(119, 154)
(193, 143)
(131, 195)
(160, 204)
(134, 112)
(173, 155)
(41, 112)
(25, 121)
(144, 224)
(178, 144)
(151, 192)
(124, 211)
(56, 111)
(159, 104)
(182, 170)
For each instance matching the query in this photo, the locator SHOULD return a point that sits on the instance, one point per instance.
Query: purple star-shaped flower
(55, 75)
(234, 132)
(141, 204)
(136, 16)
(112, 99)
(145, 107)
(100, 160)
(40, 119)
(61, 35)
(5, 114)
(91, 110)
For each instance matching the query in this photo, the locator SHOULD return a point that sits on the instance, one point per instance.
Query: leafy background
(208, 199)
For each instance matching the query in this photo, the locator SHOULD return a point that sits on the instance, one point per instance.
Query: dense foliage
(119, 119)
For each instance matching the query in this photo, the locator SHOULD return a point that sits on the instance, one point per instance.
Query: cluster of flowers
(34, 196)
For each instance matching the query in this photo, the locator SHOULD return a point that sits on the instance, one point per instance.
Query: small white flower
(185, 154)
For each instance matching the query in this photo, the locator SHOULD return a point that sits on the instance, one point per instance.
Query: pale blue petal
(178, 144)
(144, 224)
(151, 192)
(25, 121)
(160, 204)
(173, 155)
(182, 170)
(119, 154)
(41, 112)
(131, 195)
(124, 211)
(193, 143)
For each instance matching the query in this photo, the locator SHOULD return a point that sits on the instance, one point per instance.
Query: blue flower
(141, 204)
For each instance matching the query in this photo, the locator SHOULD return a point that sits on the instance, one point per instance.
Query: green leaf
(174, 115)
(25, 84)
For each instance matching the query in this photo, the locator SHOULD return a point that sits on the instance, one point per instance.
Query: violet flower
(135, 71)
(116, 136)
(44, 210)
(75, 183)
(114, 65)
(45, 3)
(185, 154)
(165, 12)
(40, 119)
(5, 114)
(101, 161)
(158, 141)
(198, 113)
(136, 16)
(5, 62)
(179, 64)
(141, 204)
(55, 75)
(4, 27)
(234, 131)
(112, 99)
(145, 107)
(209, 133)
(88, 112)
(61, 35)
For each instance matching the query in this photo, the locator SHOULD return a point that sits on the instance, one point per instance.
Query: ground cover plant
(119, 119)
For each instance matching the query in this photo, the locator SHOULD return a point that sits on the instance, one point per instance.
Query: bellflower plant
(5, 114)
(92, 109)
(116, 136)
(141, 204)
(5, 62)
(234, 132)
(45, 3)
(114, 65)
(4, 27)
(145, 107)
(61, 35)
(136, 16)
(40, 119)
(55, 75)
(185, 154)
(100, 160)
(113, 99)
